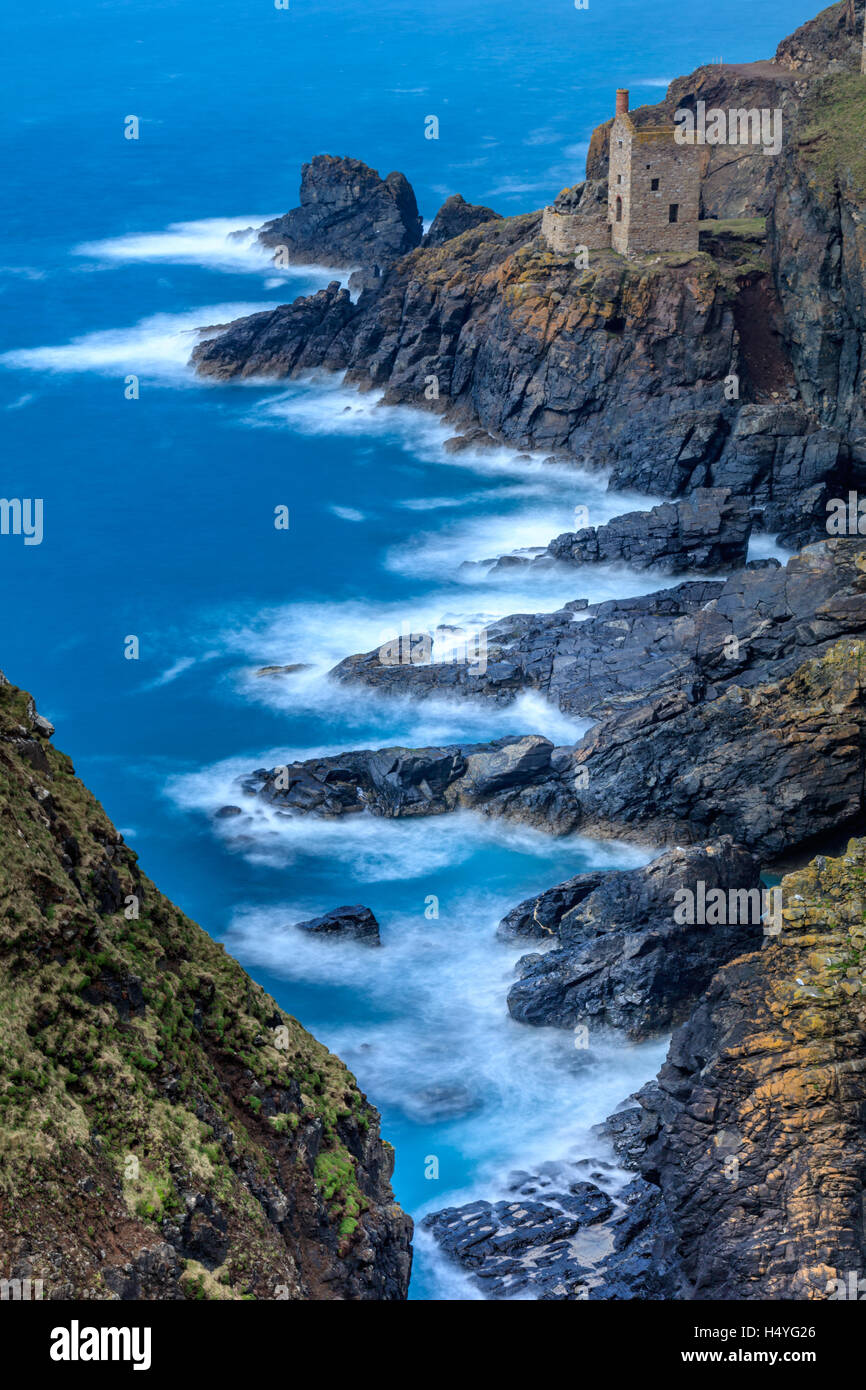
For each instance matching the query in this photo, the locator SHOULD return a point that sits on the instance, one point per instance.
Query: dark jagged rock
(539, 917)
(351, 923)
(348, 216)
(627, 1131)
(623, 961)
(696, 639)
(709, 531)
(757, 1114)
(575, 1240)
(770, 764)
(278, 342)
(455, 217)
(816, 236)
(406, 781)
(243, 1161)
(748, 1144)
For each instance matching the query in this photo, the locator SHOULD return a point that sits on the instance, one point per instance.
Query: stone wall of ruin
(564, 231)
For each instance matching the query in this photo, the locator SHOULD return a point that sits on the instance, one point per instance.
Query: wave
(431, 1039)
(371, 848)
(158, 346)
(764, 547)
(225, 244)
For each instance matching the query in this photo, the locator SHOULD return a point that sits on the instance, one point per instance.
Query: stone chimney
(621, 100)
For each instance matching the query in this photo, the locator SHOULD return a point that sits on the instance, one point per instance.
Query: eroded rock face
(567, 1231)
(770, 766)
(348, 216)
(406, 781)
(623, 959)
(768, 762)
(758, 1111)
(749, 1144)
(695, 639)
(817, 239)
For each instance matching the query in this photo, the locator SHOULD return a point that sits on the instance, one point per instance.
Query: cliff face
(817, 240)
(622, 362)
(167, 1132)
(757, 1117)
(627, 363)
(749, 1145)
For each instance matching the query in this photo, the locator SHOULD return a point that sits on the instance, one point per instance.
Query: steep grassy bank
(165, 1130)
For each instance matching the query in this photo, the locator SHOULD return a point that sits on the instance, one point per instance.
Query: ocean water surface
(159, 510)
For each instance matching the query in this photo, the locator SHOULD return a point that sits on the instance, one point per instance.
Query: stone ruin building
(653, 195)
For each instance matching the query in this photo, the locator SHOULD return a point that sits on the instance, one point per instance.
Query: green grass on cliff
(138, 1061)
(832, 134)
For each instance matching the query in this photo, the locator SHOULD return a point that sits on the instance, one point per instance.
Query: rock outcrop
(455, 217)
(817, 240)
(771, 765)
(570, 1230)
(709, 531)
(695, 640)
(756, 1122)
(626, 957)
(347, 923)
(243, 1162)
(747, 1147)
(348, 216)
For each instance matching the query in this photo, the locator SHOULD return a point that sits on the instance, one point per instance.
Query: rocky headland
(626, 364)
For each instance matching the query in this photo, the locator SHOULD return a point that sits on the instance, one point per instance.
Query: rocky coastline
(725, 729)
(727, 711)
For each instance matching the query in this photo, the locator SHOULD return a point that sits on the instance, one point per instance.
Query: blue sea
(159, 511)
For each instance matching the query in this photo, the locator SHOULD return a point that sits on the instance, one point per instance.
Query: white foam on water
(348, 513)
(316, 636)
(438, 1044)
(556, 496)
(321, 403)
(171, 673)
(227, 244)
(764, 547)
(371, 847)
(159, 346)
